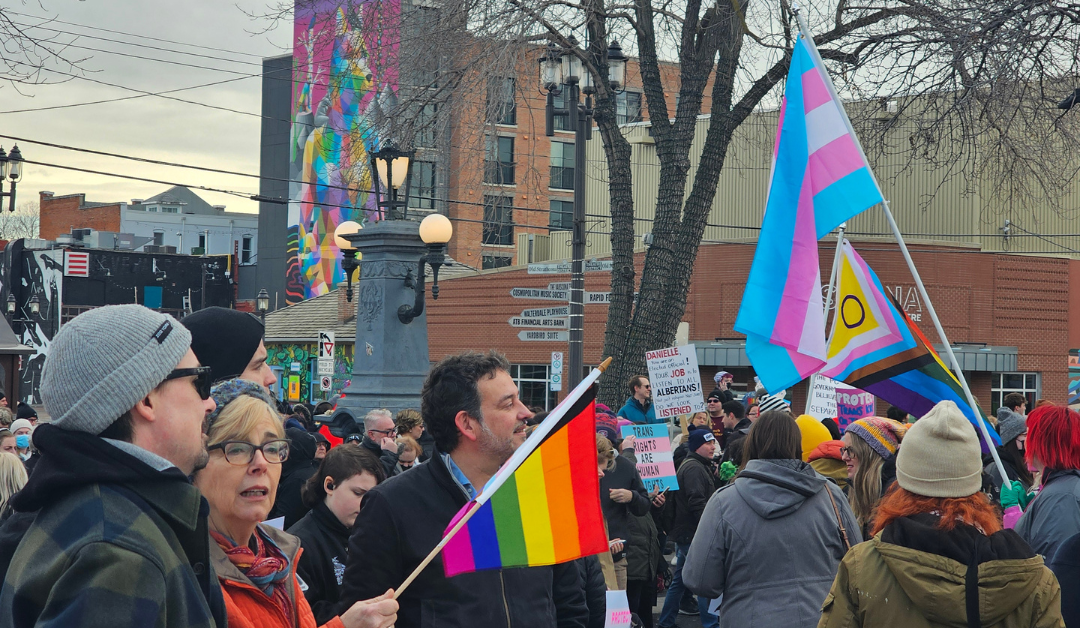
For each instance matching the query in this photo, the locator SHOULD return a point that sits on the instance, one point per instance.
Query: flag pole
(805, 30)
(835, 268)
(508, 468)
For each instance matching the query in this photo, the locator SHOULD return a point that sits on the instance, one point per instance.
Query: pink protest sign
(852, 404)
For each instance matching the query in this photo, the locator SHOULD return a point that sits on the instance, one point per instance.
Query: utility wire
(100, 102)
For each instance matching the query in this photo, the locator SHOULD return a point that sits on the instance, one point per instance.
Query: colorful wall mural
(306, 355)
(1074, 377)
(345, 73)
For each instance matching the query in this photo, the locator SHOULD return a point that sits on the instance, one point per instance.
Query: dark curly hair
(451, 387)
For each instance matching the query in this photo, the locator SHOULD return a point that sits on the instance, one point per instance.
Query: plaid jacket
(116, 555)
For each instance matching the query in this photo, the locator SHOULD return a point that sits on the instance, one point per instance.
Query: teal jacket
(116, 543)
(634, 412)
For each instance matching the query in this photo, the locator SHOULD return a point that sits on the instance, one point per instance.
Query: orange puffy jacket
(248, 607)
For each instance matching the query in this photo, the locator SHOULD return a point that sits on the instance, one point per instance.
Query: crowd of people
(169, 488)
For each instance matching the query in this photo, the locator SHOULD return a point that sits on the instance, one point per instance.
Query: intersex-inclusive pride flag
(819, 179)
(542, 507)
(876, 347)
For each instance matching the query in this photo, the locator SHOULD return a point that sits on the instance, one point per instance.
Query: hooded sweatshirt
(913, 575)
(115, 542)
(770, 535)
(300, 466)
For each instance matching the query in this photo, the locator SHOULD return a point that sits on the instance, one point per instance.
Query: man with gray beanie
(121, 535)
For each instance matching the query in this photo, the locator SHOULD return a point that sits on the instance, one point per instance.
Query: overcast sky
(148, 127)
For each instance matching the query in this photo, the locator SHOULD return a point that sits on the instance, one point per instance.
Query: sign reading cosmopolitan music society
(676, 382)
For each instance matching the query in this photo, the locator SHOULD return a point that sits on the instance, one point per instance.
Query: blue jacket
(633, 411)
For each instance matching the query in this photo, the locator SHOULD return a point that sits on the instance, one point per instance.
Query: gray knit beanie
(105, 360)
(1011, 425)
(940, 456)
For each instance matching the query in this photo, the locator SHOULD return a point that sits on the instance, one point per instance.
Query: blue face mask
(22, 441)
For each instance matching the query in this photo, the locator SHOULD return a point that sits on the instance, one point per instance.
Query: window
(562, 215)
(170, 210)
(562, 120)
(498, 220)
(562, 166)
(202, 241)
(628, 107)
(425, 126)
(422, 185)
(499, 161)
(533, 385)
(159, 238)
(245, 249)
(496, 261)
(501, 106)
(1027, 384)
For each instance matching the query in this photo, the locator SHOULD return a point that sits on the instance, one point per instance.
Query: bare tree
(28, 51)
(24, 222)
(974, 82)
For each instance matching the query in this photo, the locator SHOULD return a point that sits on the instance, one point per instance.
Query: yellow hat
(813, 434)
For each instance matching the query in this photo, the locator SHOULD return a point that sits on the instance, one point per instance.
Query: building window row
(533, 385)
(501, 105)
(499, 160)
(1001, 384)
(422, 185)
(562, 166)
(498, 220)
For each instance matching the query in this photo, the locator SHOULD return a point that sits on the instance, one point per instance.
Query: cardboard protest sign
(653, 450)
(618, 610)
(852, 404)
(821, 403)
(676, 381)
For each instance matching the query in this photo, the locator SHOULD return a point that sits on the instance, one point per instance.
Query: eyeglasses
(387, 432)
(845, 452)
(241, 453)
(202, 379)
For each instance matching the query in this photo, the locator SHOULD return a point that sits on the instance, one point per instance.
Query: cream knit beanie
(940, 455)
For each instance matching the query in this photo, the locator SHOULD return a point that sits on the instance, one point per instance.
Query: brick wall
(60, 214)
(997, 299)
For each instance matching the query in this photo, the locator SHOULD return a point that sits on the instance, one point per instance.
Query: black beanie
(224, 339)
(24, 411)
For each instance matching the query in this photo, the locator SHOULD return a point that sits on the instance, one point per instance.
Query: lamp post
(391, 357)
(262, 304)
(11, 166)
(564, 67)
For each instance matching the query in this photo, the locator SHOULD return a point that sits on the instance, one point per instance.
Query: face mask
(22, 441)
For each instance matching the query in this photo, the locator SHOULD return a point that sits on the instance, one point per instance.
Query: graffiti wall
(345, 73)
(43, 275)
(306, 357)
(1074, 377)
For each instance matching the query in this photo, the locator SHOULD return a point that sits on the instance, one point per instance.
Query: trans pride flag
(542, 507)
(819, 179)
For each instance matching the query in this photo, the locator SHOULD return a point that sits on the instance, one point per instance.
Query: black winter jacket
(625, 476)
(300, 466)
(389, 459)
(592, 578)
(402, 519)
(322, 564)
(734, 440)
(696, 486)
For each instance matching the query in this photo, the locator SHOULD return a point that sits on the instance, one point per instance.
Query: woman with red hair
(1053, 449)
(939, 556)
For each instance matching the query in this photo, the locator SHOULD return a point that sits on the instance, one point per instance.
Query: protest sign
(676, 382)
(821, 403)
(852, 404)
(653, 450)
(618, 610)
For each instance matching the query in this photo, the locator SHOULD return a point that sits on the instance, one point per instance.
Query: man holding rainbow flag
(471, 407)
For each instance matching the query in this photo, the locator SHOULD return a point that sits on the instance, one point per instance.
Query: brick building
(1011, 318)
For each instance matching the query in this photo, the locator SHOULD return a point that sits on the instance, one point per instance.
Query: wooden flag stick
(438, 548)
(477, 504)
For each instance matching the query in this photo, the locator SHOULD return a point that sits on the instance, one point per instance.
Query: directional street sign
(546, 311)
(563, 268)
(597, 266)
(597, 297)
(544, 335)
(559, 285)
(540, 293)
(547, 322)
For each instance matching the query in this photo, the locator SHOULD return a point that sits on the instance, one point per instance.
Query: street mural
(45, 269)
(284, 355)
(1074, 377)
(345, 70)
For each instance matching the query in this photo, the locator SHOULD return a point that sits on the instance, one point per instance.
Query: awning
(972, 357)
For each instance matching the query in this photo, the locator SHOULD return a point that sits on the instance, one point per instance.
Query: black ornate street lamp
(435, 231)
(349, 254)
(391, 168)
(262, 304)
(11, 167)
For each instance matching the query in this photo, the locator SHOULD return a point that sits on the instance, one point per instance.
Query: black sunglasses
(202, 380)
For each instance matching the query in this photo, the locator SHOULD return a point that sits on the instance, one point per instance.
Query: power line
(99, 102)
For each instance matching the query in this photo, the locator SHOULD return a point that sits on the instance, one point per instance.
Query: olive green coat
(884, 585)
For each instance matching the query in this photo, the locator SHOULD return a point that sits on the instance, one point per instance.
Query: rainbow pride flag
(542, 507)
(820, 178)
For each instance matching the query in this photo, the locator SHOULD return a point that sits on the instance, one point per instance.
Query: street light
(435, 231)
(349, 254)
(10, 303)
(35, 305)
(394, 169)
(11, 167)
(262, 304)
(616, 63)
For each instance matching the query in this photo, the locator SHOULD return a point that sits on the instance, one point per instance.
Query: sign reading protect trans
(676, 382)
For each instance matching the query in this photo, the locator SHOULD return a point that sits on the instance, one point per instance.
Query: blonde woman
(869, 451)
(12, 478)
